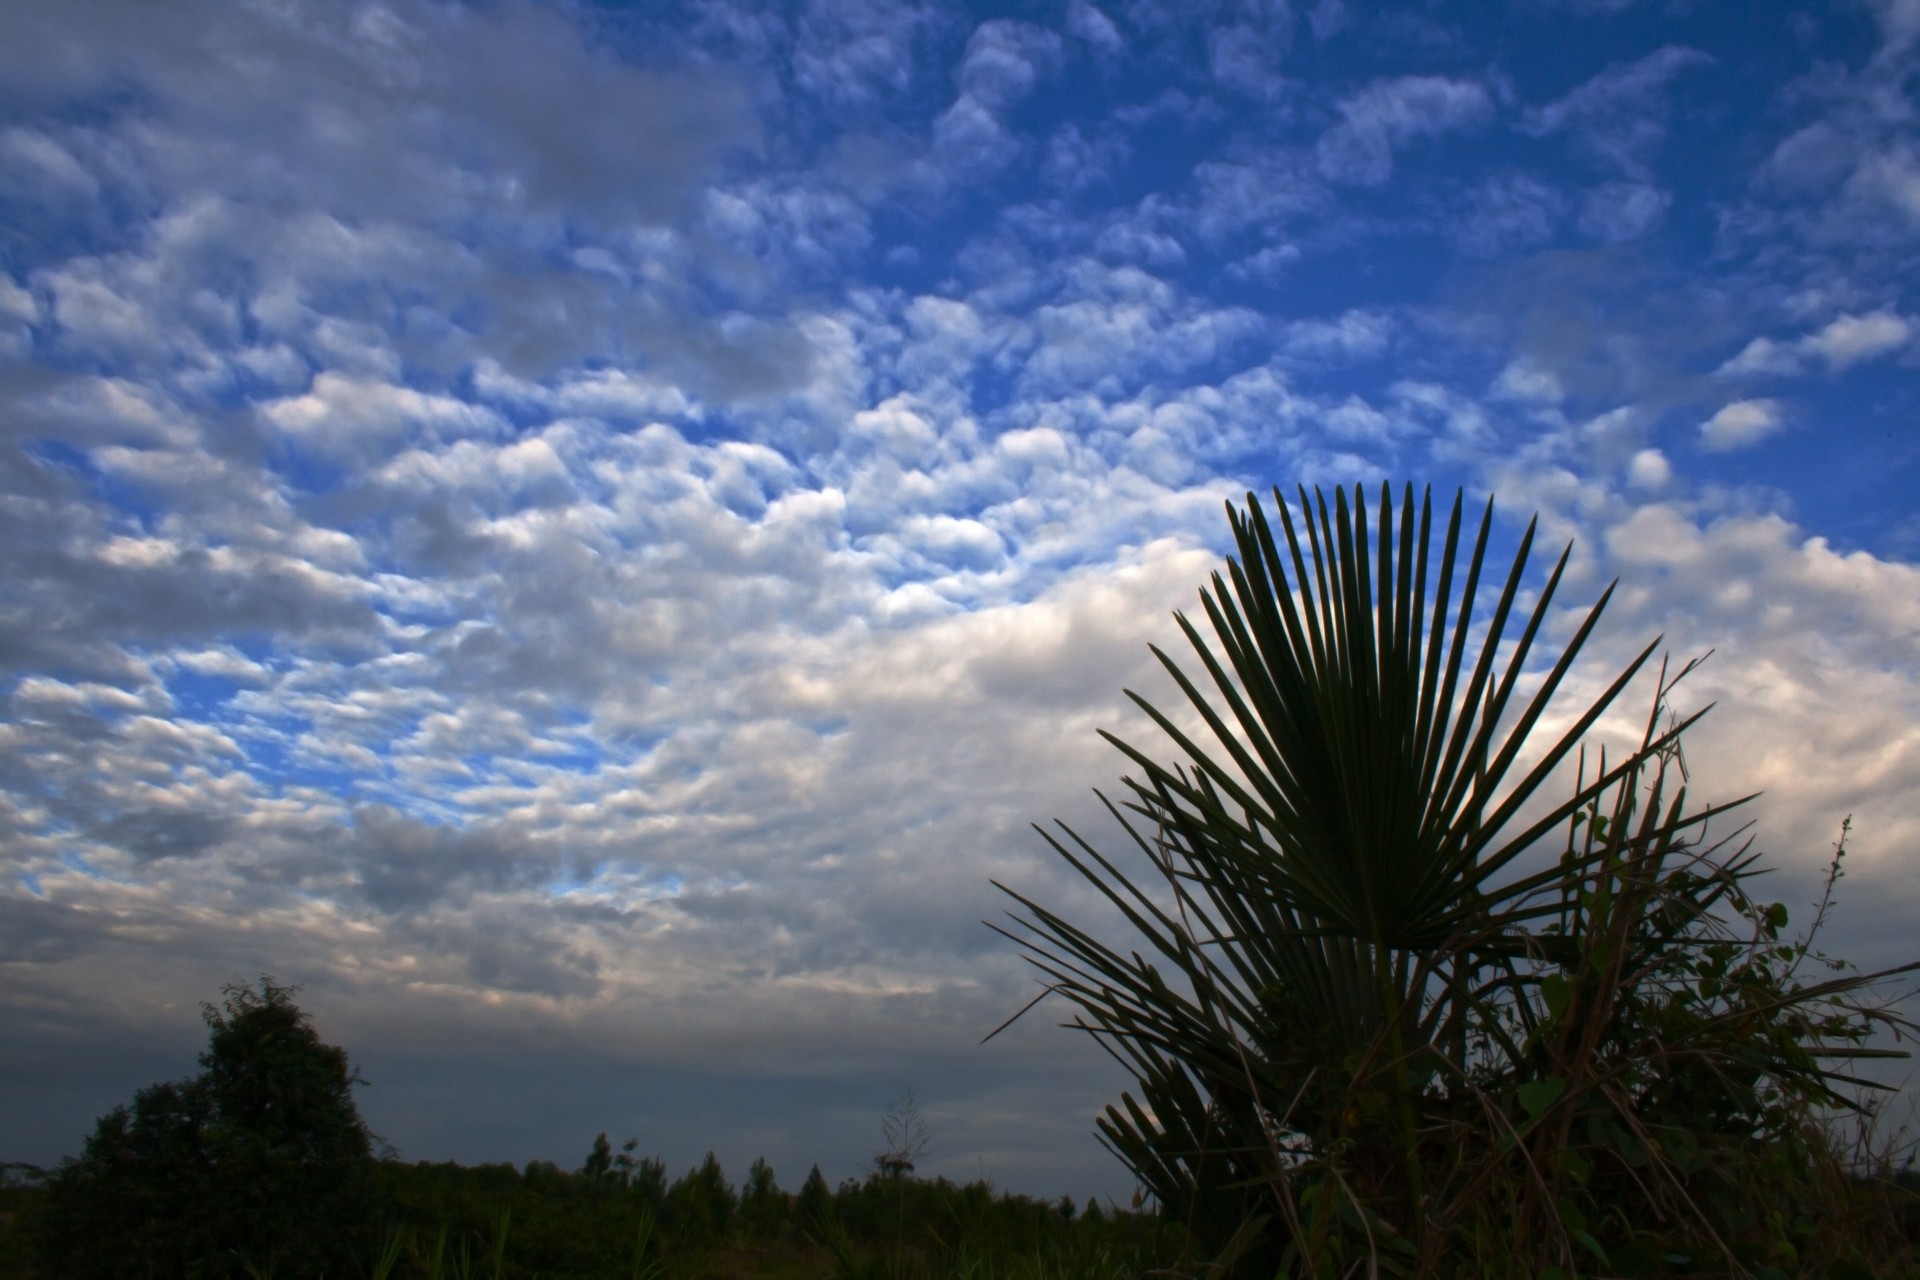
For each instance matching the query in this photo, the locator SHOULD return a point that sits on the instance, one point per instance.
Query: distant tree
(599, 1166)
(700, 1206)
(815, 1205)
(261, 1161)
(624, 1164)
(544, 1176)
(762, 1206)
(650, 1183)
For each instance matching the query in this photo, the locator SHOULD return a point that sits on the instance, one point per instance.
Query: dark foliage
(260, 1162)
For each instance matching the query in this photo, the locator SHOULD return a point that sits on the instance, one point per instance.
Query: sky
(584, 535)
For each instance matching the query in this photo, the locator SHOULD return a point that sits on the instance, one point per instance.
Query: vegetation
(1388, 1019)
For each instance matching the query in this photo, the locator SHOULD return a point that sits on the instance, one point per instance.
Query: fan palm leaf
(1339, 841)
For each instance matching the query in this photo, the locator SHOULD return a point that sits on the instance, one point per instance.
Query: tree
(598, 1169)
(261, 1161)
(762, 1205)
(1386, 1015)
(701, 1205)
(814, 1209)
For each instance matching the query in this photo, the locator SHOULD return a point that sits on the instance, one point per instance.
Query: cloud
(1355, 335)
(1075, 162)
(1809, 663)
(1264, 195)
(1742, 424)
(1389, 114)
(1622, 211)
(1247, 57)
(1003, 62)
(857, 53)
(1899, 25)
(1087, 22)
(457, 97)
(1649, 470)
(1850, 340)
(1846, 341)
(1618, 114)
(1506, 213)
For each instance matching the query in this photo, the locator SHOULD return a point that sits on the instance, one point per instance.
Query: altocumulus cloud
(584, 535)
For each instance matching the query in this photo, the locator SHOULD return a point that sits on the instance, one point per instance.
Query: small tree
(261, 1162)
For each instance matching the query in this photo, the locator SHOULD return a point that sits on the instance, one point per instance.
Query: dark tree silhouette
(261, 1161)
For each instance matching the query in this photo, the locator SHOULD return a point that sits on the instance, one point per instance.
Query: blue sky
(583, 534)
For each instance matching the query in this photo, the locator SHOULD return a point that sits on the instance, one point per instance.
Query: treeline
(602, 1221)
(446, 1220)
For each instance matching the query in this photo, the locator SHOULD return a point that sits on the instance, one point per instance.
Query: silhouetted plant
(907, 1137)
(1375, 1029)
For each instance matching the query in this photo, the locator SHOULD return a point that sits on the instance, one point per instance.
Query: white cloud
(346, 414)
(1850, 339)
(1389, 114)
(1649, 470)
(1353, 336)
(1086, 22)
(1266, 194)
(1842, 343)
(850, 52)
(1529, 382)
(1622, 211)
(1004, 60)
(35, 167)
(1813, 673)
(1618, 114)
(1899, 25)
(1247, 57)
(1076, 163)
(1742, 424)
(1507, 212)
